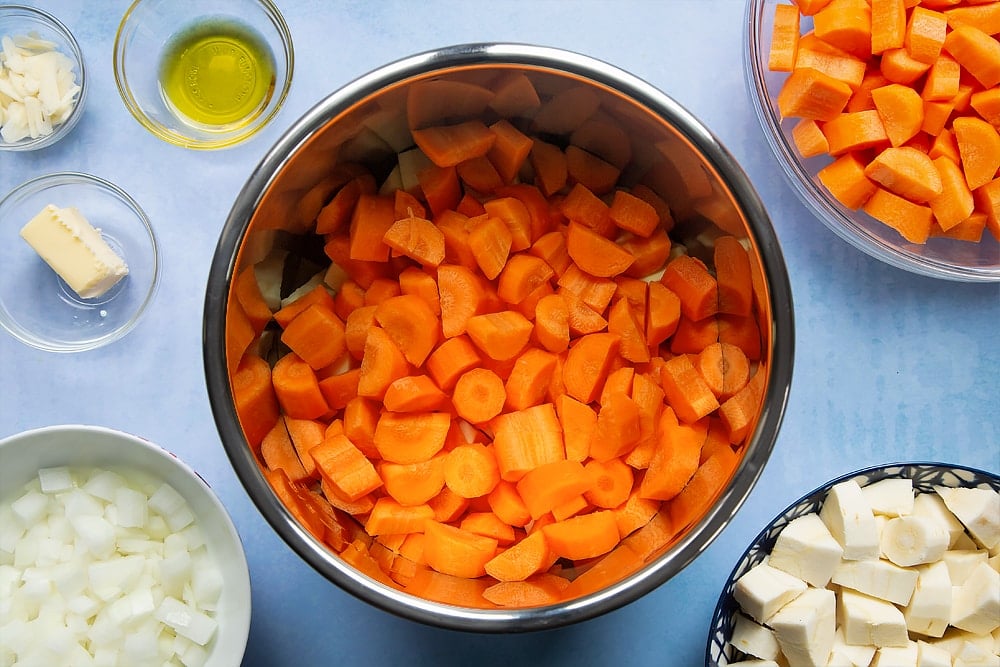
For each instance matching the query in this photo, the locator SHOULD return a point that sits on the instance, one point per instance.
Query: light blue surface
(889, 366)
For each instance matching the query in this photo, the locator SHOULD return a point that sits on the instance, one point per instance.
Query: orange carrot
(471, 470)
(733, 276)
(582, 206)
(356, 328)
(479, 174)
(899, 66)
(888, 25)
(349, 298)
(697, 289)
(942, 82)
(954, 203)
(382, 364)
(649, 254)
(551, 247)
(254, 398)
(500, 336)
(685, 389)
(708, 481)
(297, 388)
(809, 93)
(550, 484)
(977, 52)
(925, 34)
(593, 172)
(410, 438)
(527, 557)
(372, 217)
(405, 205)
(247, 291)
(529, 379)
(823, 56)
(675, 458)
(584, 536)
(691, 336)
(388, 517)
(521, 275)
(987, 103)
(440, 187)
(414, 393)
(979, 146)
(412, 484)
(414, 281)
(809, 138)
(907, 172)
(846, 180)
(594, 291)
(460, 553)
(318, 295)
(846, 24)
(316, 335)
(635, 512)
(594, 253)
(514, 214)
(855, 131)
(449, 145)
(360, 419)
(381, 289)
(552, 323)
(664, 311)
(581, 318)
(279, 453)
(724, 367)
(462, 296)
(305, 434)
(901, 110)
(526, 439)
(784, 38)
(505, 502)
(509, 150)
(479, 395)
(411, 324)
(549, 164)
(739, 411)
(450, 360)
(912, 221)
(537, 591)
(578, 422)
(587, 365)
(418, 239)
(488, 524)
(651, 539)
(337, 212)
(448, 506)
(344, 466)
(611, 483)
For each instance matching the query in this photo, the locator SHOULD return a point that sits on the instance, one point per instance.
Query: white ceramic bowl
(23, 454)
(925, 476)
(20, 20)
(938, 258)
(36, 306)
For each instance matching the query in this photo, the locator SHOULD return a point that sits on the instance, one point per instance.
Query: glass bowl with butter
(203, 79)
(79, 259)
(43, 75)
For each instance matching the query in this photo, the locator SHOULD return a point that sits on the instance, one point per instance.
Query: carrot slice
(847, 24)
(546, 486)
(388, 517)
(611, 485)
(316, 335)
(344, 466)
(372, 217)
(461, 295)
(411, 324)
(522, 274)
(588, 169)
(846, 180)
(784, 38)
(979, 146)
(460, 553)
(901, 110)
(525, 439)
(584, 536)
(888, 25)
(297, 388)
(471, 470)
(675, 458)
(449, 145)
(279, 453)
(587, 365)
(912, 221)
(596, 254)
(529, 380)
(925, 34)
(479, 395)
(724, 367)
(450, 360)
(697, 289)
(618, 429)
(685, 389)
(418, 239)
(809, 93)
(705, 485)
(854, 131)
(382, 364)
(527, 557)
(582, 206)
(955, 202)
(907, 172)
(500, 336)
(410, 438)
(505, 502)
(254, 399)
(411, 484)
(479, 174)
(549, 164)
(414, 393)
(733, 276)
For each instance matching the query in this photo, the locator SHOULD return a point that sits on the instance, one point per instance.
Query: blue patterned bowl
(925, 476)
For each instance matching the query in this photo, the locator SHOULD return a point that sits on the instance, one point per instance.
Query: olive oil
(219, 72)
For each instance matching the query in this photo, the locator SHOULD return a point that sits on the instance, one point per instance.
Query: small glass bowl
(925, 475)
(18, 20)
(147, 28)
(938, 258)
(36, 306)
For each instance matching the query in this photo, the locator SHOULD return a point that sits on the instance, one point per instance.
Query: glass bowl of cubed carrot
(498, 337)
(884, 117)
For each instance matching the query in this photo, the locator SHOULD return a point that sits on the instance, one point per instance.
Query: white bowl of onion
(113, 550)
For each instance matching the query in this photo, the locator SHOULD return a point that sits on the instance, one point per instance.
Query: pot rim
(697, 538)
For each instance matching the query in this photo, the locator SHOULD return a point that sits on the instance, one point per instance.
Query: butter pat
(75, 250)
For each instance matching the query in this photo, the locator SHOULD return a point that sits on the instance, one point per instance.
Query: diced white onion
(100, 568)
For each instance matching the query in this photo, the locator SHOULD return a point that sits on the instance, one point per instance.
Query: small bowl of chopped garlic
(895, 564)
(43, 83)
(112, 548)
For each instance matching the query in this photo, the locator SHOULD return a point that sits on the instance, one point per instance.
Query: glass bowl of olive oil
(203, 79)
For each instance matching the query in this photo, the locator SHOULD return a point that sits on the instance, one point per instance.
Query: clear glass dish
(39, 308)
(20, 20)
(938, 258)
(148, 27)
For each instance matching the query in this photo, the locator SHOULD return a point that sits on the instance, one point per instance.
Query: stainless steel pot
(661, 144)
